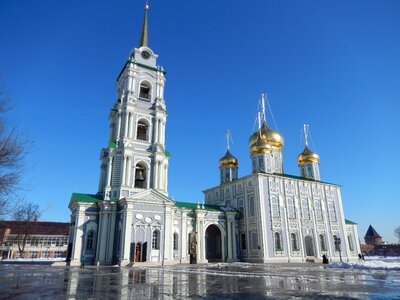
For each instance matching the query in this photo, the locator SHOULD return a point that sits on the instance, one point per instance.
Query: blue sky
(332, 64)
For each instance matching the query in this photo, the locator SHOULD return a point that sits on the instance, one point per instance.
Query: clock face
(146, 54)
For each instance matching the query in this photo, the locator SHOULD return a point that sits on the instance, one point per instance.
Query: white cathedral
(266, 216)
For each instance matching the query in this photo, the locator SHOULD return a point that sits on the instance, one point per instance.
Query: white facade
(264, 217)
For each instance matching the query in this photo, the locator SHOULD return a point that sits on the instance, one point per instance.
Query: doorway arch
(213, 243)
(309, 246)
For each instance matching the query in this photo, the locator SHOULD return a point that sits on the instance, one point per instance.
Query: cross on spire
(228, 138)
(263, 107)
(306, 130)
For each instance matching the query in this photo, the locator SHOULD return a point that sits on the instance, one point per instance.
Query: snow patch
(371, 263)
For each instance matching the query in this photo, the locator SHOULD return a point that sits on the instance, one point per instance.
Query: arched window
(240, 206)
(142, 131)
(176, 241)
(309, 171)
(251, 206)
(304, 209)
(140, 176)
(278, 246)
(243, 241)
(350, 242)
(254, 241)
(90, 240)
(156, 240)
(293, 239)
(332, 212)
(275, 206)
(145, 90)
(322, 242)
(290, 207)
(318, 210)
(336, 242)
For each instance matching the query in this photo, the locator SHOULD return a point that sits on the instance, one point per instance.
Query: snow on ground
(370, 263)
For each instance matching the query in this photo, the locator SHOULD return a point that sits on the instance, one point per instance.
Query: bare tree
(397, 233)
(26, 214)
(12, 151)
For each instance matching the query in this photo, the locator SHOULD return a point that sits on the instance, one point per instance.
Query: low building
(44, 240)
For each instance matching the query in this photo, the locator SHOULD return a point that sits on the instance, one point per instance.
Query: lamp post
(337, 243)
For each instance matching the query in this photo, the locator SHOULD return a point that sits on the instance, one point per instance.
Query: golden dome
(228, 160)
(272, 137)
(260, 146)
(307, 156)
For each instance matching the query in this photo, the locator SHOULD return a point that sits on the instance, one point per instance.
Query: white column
(155, 174)
(200, 249)
(123, 167)
(102, 242)
(126, 238)
(283, 204)
(230, 219)
(111, 233)
(78, 236)
(168, 234)
(156, 130)
(109, 169)
(126, 129)
(184, 242)
(234, 244)
(229, 236)
(119, 126)
(159, 175)
(159, 132)
(297, 206)
(166, 178)
(163, 133)
(128, 172)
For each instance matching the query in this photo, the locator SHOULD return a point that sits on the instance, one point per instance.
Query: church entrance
(138, 252)
(213, 243)
(309, 246)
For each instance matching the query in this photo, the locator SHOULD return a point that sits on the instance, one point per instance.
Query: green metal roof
(302, 178)
(348, 222)
(192, 205)
(88, 198)
(112, 144)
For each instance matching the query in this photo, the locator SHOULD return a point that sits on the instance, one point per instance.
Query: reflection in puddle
(208, 281)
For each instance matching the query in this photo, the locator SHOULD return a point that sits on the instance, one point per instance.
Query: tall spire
(144, 35)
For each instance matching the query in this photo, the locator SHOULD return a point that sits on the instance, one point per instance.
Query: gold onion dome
(272, 137)
(307, 156)
(260, 146)
(228, 160)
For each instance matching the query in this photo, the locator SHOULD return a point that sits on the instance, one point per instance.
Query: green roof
(88, 198)
(348, 222)
(302, 178)
(112, 144)
(192, 205)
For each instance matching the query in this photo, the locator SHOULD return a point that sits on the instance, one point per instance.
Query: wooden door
(138, 252)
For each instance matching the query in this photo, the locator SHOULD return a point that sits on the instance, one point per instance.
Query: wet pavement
(212, 281)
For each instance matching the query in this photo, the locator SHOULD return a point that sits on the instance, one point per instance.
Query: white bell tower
(136, 158)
